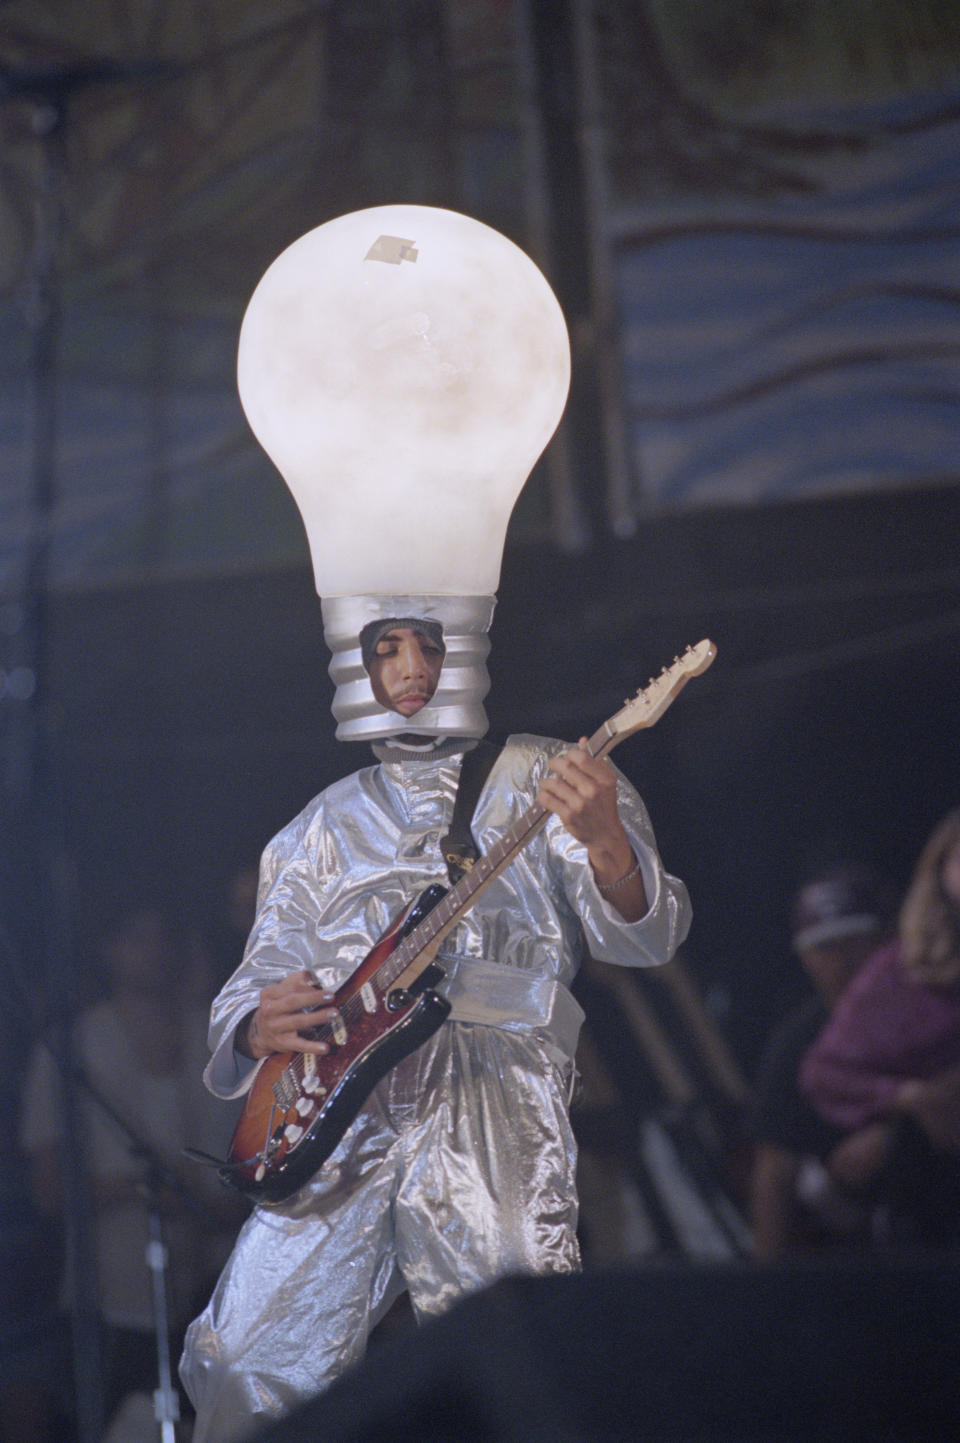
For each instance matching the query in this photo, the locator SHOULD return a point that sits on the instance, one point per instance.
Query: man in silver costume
(459, 1169)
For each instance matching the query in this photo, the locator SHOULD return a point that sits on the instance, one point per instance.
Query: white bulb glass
(404, 367)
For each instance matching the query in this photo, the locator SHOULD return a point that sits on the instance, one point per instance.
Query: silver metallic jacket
(460, 1168)
(336, 877)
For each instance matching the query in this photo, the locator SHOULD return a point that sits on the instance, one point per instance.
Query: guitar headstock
(651, 701)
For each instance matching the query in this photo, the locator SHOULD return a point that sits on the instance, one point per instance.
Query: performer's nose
(414, 661)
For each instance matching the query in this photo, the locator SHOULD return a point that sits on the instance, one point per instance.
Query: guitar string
(455, 900)
(500, 854)
(399, 959)
(458, 898)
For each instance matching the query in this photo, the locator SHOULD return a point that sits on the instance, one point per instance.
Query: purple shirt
(884, 1031)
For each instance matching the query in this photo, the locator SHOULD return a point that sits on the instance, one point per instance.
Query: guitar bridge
(285, 1090)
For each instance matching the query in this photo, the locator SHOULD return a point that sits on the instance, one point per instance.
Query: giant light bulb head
(404, 367)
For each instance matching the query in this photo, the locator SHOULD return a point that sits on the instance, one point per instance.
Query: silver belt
(497, 996)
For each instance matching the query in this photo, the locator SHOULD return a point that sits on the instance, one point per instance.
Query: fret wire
(401, 957)
(455, 901)
(504, 848)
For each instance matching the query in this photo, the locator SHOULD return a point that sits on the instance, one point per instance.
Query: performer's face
(405, 669)
(831, 965)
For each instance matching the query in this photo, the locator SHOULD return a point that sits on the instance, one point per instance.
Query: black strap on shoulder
(459, 849)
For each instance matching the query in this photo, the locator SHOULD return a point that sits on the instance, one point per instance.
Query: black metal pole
(30, 771)
(166, 1401)
(32, 767)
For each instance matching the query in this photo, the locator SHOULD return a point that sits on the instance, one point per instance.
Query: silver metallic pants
(459, 1170)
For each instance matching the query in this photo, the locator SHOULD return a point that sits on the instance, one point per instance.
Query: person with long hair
(886, 1066)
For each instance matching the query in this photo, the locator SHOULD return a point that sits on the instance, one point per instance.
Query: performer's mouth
(410, 703)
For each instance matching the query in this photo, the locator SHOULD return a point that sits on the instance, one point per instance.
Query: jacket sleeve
(283, 940)
(657, 935)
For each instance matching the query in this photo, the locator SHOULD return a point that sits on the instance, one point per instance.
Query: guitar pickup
(311, 1083)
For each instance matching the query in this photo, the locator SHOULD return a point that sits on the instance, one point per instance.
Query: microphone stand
(166, 1399)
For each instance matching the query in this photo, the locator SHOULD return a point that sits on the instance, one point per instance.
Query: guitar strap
(459, 849)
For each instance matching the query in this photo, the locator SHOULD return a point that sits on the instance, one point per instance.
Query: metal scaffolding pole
(31, 767)
(568, 522)
(621, 511)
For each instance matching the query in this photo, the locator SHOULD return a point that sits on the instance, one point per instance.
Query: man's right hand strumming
(288, 1010)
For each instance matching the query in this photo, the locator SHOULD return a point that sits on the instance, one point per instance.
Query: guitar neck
(411, 955)
(457, 902)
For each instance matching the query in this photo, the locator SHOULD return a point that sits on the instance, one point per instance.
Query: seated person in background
(886, 1067)
(142, 1051)
(839, 918)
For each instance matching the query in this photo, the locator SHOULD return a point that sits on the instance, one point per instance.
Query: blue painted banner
(807, 345)
(796, 344)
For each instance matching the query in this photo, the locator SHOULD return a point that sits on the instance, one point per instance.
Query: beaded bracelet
(614, 886)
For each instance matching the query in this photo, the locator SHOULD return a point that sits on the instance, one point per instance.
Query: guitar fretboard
(414, 953)
(461, 897)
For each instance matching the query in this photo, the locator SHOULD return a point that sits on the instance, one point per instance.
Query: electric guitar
(300, 1105)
